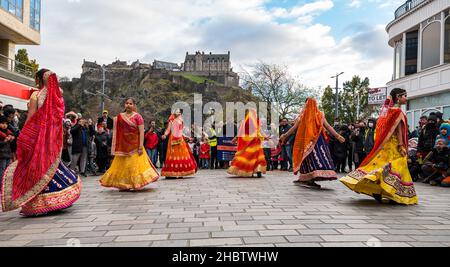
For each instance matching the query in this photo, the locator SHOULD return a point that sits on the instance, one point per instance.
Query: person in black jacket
(286, 148)
(437, 163)
(106, 119)
(369, 138)
(80, 135)
(427, 137)
(340, 150)
(103, 142)
(358, 138)
(6, 138)
(9, 112)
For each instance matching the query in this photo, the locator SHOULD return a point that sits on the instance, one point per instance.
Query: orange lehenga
(250, 157)
(129, 170)
(180, 161)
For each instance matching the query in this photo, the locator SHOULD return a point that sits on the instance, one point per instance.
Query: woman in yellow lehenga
(384, 173)
(131, 168)
(250, 158)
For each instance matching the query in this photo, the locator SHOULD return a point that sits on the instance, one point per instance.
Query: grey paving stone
(170, 243)
(264, 240)
(138, 238)
(189, 236)
(234, 234)
(215, 242)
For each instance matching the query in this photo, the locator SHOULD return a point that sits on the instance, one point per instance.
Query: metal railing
(15, 66)
(410, 4)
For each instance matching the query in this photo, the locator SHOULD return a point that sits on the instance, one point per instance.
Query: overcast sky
(315, 38)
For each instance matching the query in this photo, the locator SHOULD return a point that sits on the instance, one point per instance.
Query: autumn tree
(274, 84)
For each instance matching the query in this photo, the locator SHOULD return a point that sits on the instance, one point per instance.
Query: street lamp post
(103, 88)
(337, 94)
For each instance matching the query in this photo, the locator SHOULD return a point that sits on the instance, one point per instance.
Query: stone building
(213, 66)
(213, 63)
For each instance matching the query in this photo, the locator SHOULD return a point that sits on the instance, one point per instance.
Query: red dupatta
(38, 150)
(249, 131)
(308, 133)
(390, 118)
(125, 136)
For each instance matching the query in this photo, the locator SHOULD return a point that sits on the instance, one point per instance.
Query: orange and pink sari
(250, 157)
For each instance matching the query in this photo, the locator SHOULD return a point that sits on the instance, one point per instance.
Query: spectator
(205, 156)
(92, 155)
(151, 143)
(340, 150)
(1, 107)
(423, 121)
(106, 119)
(439, 119)
(369, 139)
(427, 137)
(162, 146)
(103, 144)
(80, 137)
(444, 132)
(6, 138)
(10, 113)
(66, 155)
(358, 138)
(196, 150)
(73, 117)
(286, 148)
(213, 144)
(437, 163)
(350, 147)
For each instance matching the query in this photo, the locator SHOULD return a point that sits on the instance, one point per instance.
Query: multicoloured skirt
(62, 191)
(180, 161)
(386, 174)
(249, 161)
(318, 165)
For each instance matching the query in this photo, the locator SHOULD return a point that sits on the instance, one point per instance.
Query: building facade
(20, 24)
(213, 63)
(420, 38)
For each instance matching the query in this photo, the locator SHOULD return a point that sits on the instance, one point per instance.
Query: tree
(274, 84)
(28, 67)
(328, 103)
(349, 100)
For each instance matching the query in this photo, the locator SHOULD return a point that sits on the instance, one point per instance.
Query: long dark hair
(39, 77)
(396, 92)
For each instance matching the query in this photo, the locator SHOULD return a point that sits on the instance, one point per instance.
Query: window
(431, 45)
(411, 52)
(35, 14)
(447, 41)
(14, 7)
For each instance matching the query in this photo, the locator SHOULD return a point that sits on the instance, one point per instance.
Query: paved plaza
(213, 209)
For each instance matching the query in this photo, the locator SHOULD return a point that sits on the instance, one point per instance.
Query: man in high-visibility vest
(213, 144)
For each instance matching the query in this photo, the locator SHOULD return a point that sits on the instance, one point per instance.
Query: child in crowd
(6, 137)
(437, 163)
(444, 131)
(205, 154)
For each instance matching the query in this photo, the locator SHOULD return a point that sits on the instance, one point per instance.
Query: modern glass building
(420, 38)
(20, 24)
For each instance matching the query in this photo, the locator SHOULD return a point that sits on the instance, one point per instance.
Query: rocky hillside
(154, 90)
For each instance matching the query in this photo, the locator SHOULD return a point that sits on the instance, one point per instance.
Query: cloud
(129, 30)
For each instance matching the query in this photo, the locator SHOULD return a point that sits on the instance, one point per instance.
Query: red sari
(37, 181)
(129, 170)
(180, 161)
(250, 158)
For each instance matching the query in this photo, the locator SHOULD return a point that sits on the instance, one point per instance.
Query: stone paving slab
(215, 210)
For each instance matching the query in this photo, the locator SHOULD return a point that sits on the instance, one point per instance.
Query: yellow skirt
(386, 174)
(130, 172)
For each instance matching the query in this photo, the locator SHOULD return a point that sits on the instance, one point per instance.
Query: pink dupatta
(38, 151)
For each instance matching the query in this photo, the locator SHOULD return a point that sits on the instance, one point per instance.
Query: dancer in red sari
(38, 182)
(180, 161)
(250, 158)
(131, 168)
